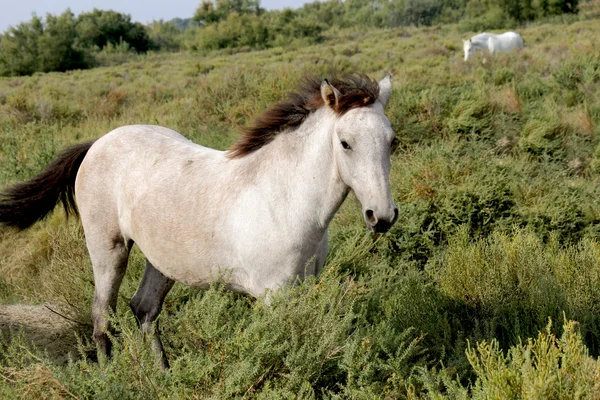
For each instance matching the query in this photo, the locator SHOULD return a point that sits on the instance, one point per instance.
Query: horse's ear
(331, 96)
(463, 40)
(385, 89)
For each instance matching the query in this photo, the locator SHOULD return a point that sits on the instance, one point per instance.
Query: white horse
(256, 216)
(494, 43)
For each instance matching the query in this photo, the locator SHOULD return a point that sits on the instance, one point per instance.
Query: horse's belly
(245, 251)
(183, 246)
(251, 269)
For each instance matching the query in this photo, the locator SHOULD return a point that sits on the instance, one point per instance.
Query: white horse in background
(494, 43)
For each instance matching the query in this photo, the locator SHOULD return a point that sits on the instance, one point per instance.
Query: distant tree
(165, 35)
(518, 10)
(42, 46)
(59, 49)
(208, 12)
(98, 28)
(19, 48)
(421, 12)
(546, 8)
(182, 23)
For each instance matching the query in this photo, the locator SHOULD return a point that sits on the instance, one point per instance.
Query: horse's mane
(356, 91)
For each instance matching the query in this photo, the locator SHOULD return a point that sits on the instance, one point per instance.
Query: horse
(494, 43)
(256, 214)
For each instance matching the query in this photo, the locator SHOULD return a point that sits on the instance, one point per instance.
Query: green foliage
(595, 165)
(236, 31)
(208, 12)
(242, 23)
(421, 12)
(108, 37)
(239, 30)
(38, 46)
(498, 227)
(62, 43)
(100, 28)
(544, 367)
(543, 136)
(167, 36)
(546, 8)
(481, 15)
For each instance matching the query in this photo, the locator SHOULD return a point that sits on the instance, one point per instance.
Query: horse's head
(361, 141)
(468, 47)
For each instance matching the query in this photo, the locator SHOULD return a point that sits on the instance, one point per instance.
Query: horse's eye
(345, 145)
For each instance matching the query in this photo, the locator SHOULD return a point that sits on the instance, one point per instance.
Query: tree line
(238, 23)
(65, 42)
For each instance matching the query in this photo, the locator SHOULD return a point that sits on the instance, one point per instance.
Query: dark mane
(356, 91)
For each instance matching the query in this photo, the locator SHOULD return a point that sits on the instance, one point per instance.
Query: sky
(144, 11)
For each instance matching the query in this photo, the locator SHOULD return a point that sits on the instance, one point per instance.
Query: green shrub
(502, 76)
(100, 28)
(482, 17)
(472, 114)
(544, 137)
(544, 367)
(421, 12)
(595, 164)
(42, 46)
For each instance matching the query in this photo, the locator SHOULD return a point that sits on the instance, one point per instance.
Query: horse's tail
(26, 203)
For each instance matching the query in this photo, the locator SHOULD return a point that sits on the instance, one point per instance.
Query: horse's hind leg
(109, 261)
(146, 304)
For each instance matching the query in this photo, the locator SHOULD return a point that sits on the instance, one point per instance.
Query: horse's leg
(322, 253)
(313, 267)
(146, 304)
(109, 261)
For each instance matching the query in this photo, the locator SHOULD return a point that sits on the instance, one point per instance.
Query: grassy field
(487, 287)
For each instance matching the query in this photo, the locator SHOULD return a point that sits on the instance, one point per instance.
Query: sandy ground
(42, 327)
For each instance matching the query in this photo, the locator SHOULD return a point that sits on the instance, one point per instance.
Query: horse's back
(511, 39)
(505, 41)
(127, 149)
(115, 170)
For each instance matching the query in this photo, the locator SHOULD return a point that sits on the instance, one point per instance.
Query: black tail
(26, 203)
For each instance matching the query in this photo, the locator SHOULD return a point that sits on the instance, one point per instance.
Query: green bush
(421, 12)
(62, 43)
(100, 28)
(472, 114)
(544, 367)
(544, 135)
(42, 46)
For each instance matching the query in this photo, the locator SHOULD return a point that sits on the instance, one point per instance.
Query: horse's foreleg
(322, 253)
(312, 267)
(109, 262)
(146, 304)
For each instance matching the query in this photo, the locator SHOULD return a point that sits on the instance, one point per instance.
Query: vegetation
(62, 43)
(496, 177)
(106, 37)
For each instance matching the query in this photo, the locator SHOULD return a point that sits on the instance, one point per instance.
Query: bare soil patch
(42, 327)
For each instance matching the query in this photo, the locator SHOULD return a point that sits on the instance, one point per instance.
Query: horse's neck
(298, 172)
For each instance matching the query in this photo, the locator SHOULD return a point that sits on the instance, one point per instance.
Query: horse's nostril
(370, 217)
(395, 215)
